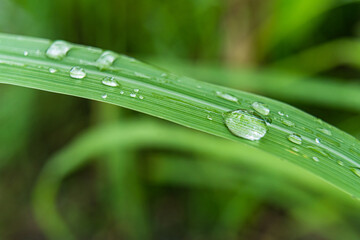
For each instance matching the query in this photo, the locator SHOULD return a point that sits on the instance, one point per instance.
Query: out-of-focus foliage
(302, 52)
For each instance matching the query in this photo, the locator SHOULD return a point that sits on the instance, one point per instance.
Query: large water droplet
(246, 125)
(77, 72)
(106, 59)
(110, 81)
(58, 50)
(260, 108)
(226, 96)
(295, 138)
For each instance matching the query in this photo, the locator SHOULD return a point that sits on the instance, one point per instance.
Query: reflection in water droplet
(316, 159)
(52, 70)
(77, 72)
(104, 96)
(110, 81)
(287, 122)
(58, 50)
(226, 96)
(260, 108)
(246, 125)
(356, 171)
(317, 140)
(209, 117)
(26, 53)
(133, 95)
(295, 138)
(106, 59)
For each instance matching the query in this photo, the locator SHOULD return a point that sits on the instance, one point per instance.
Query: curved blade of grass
(185, 101)
(125, 136)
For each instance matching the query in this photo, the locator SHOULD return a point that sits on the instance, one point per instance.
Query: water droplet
(280, 113)
(141, 75)
(287, 122)
(317, 140)
(106, 59)
(141, 97)
(226, 96)
(58, 50)
(136, 90)
(246, 125)
(52, 70)
(260, 108)
(209, 117)
(104, 96)
(110, 81)
(341, 163)
(133, 95)
(356, 171)
(121, 92)
(295, 138)
(77, 72)
(26, 53)
(316, 159)
(295, 149)
(325, 131)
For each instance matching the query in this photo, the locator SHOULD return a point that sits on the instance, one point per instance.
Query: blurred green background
(77, 169)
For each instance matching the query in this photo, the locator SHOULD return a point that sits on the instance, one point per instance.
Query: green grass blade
(184, 101)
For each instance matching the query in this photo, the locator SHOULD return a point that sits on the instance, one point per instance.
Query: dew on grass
(110, 81)
(58, 50)
(245, 124)
(77, 72)
(260, 108)
(106, 59)
(295, 138)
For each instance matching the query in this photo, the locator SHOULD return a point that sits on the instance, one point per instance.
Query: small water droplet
(104, 96)
(356, 171)
(260, 108)
(280, 113)
(141, 75)
(136, 90)
(227, 96)
(110, 81)
(316, 159)
(325, 131)
(295, 138)
(58, 50)
(287, 122)
(133, 95)
(26, 53)
(295, 149)
(106, 59)
(246, 125)
(77, 72)
(141, 97)
(121, 92)
(209, 117)
(317, 140)
(52, 70)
